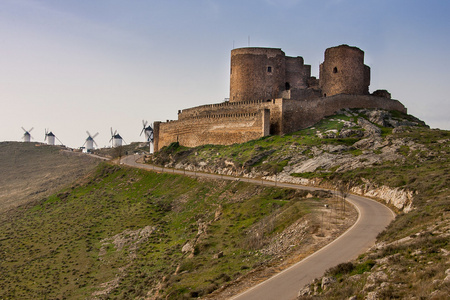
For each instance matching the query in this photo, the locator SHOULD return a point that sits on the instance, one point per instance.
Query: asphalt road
(373, 218)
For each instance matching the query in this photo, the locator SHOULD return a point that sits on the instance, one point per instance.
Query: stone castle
(273, 94)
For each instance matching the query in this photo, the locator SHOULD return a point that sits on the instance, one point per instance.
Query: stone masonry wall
(233, 108)
(222, 129)
(302, 114)
(226, 124)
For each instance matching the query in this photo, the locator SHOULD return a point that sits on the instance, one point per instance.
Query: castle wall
(229, 123)
(297, 73)
(221, 129)
(302, 114)
(343, 72)
(244, 107)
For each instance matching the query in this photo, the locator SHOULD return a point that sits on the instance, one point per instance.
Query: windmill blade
(94, 135)
(84, 143)
(115, 132)
(46, 133)
(59, 140)
(95, 143)
(111, 139)
(88, 133)
(112, 132)
(23, 129)
(30, 129)
(142, 131)
(144, 123)
(123, 141)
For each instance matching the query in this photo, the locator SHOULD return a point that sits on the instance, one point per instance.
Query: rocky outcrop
(400, 198)
(371, 130)
(327, 281)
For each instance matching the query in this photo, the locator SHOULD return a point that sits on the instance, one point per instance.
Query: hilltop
(389, 156)
(31, 171)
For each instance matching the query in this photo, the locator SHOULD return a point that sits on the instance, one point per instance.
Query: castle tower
(256, 74)
(343, 72)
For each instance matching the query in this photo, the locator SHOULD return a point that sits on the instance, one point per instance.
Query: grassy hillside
(367, 150)
(30, 171)
(126, 233)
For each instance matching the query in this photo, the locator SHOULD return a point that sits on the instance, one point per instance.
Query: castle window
(335, 70)
(269, 69)
(287, 86)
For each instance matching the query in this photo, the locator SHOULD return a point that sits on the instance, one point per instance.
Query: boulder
(187, 248)
(370, 128)
(327, 281)
(382, 93)
(378, 117)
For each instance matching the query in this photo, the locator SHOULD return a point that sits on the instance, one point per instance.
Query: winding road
(373, 218)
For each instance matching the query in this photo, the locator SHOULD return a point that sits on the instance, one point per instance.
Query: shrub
(340, 269)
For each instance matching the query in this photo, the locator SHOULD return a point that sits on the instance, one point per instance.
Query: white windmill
(50, 138)
(27, 136)
(116, 139)
(90, 142)
(148, 132)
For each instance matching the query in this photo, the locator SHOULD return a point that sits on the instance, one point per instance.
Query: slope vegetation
(128, 233)
(30, 171)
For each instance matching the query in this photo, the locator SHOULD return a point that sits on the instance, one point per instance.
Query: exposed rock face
(187, 248)
(400, 198)
(131, 238)
(375, 279)
(128, 238)
(371, 130)
(327, 281)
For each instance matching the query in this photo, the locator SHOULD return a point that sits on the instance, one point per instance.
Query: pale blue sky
(78, 65)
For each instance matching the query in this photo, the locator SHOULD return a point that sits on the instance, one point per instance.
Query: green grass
(61, 247)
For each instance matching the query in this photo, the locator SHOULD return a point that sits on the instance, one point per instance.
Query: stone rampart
(233, 108)
(229, 123)
(222, 129)
(302, 114)
(218, 108)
